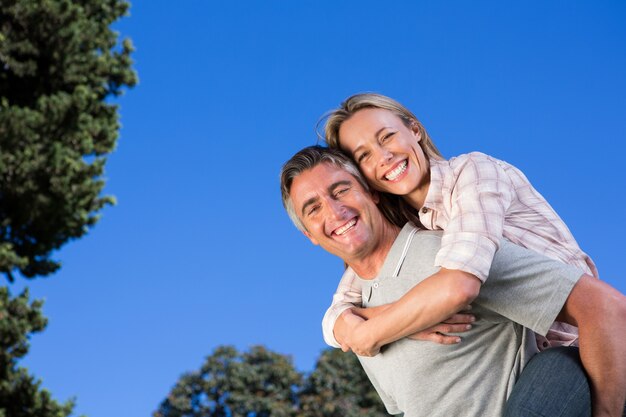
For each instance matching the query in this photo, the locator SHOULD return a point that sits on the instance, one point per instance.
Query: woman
(475, 199)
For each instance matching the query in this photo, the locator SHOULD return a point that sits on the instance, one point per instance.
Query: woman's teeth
(395, 173)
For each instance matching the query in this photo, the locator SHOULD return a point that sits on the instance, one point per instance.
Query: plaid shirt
(476, 200)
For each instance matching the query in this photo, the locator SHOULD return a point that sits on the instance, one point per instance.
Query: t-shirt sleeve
(480, 198)
(390, 404)
(348, 295)
(527, 287)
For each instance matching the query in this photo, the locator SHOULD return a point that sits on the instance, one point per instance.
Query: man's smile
(340, 231)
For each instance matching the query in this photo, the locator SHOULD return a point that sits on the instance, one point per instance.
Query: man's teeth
(343, 229)
(393, 174)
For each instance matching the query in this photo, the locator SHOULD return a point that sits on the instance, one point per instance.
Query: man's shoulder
(421, 253)
(416, 235)
(426, 244)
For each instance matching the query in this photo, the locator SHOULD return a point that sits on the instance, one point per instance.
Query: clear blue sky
(199, 253)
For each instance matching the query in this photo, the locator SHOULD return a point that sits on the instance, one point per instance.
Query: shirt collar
(396, 254)
(438, 169)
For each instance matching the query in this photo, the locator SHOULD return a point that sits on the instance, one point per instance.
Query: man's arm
(347, 296)
(428, 303)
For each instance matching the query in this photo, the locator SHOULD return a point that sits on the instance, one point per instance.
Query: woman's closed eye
(362, 157)
(387, 136)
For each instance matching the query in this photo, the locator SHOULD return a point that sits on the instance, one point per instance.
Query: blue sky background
(199, 253)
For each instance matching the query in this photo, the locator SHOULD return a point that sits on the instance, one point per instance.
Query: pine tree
(60, 65)
(20, 393)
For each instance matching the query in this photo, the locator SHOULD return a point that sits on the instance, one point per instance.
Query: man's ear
(375, 196)
(311, 238)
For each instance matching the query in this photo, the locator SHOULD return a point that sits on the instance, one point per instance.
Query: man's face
(337, 212)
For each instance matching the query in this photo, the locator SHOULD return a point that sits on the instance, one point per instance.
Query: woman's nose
(384, 156)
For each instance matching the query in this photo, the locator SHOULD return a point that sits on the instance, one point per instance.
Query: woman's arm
(430, 302)
(439, 333)
(343, 315)
(479, 193)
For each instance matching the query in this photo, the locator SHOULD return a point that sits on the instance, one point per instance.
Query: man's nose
(336, 208)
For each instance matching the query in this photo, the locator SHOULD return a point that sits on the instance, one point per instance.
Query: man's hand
(457, 323)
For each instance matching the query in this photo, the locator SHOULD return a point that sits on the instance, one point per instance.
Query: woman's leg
(599, 312)
(553, 384)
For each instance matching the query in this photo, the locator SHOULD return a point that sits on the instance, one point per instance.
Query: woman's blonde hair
(395, 208)
(335, 118)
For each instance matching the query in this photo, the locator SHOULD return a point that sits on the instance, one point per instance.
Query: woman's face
(387, 152)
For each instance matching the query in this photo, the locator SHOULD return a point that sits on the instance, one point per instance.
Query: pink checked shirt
(476, 200)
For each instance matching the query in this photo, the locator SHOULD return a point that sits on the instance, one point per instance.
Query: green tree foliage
(338, 387)
(231, 383)
(59, 63)
(260, 383)
(20, 393)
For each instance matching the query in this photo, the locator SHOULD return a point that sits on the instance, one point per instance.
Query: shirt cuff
(328, 322)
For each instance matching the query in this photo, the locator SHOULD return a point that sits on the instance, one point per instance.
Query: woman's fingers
(439, 333)
(461, 318)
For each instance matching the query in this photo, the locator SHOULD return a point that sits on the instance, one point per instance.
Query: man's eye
(341, 191)
(313, 210)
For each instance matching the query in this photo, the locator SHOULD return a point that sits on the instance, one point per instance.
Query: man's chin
(346, 251)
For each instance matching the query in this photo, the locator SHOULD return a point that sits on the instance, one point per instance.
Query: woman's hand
(349, 334)
(457, 323)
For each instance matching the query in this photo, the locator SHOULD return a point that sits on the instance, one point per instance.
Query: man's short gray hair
(309, 158)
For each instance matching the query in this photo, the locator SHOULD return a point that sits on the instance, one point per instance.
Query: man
(328, 200)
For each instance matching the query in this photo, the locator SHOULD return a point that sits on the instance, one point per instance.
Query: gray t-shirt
(524, 291)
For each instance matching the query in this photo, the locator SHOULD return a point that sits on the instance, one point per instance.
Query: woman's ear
(416, 130)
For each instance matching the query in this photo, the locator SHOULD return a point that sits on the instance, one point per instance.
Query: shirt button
(546, 344)
(424, 210)
(376, 285)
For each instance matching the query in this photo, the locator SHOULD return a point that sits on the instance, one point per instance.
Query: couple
(393, 268)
